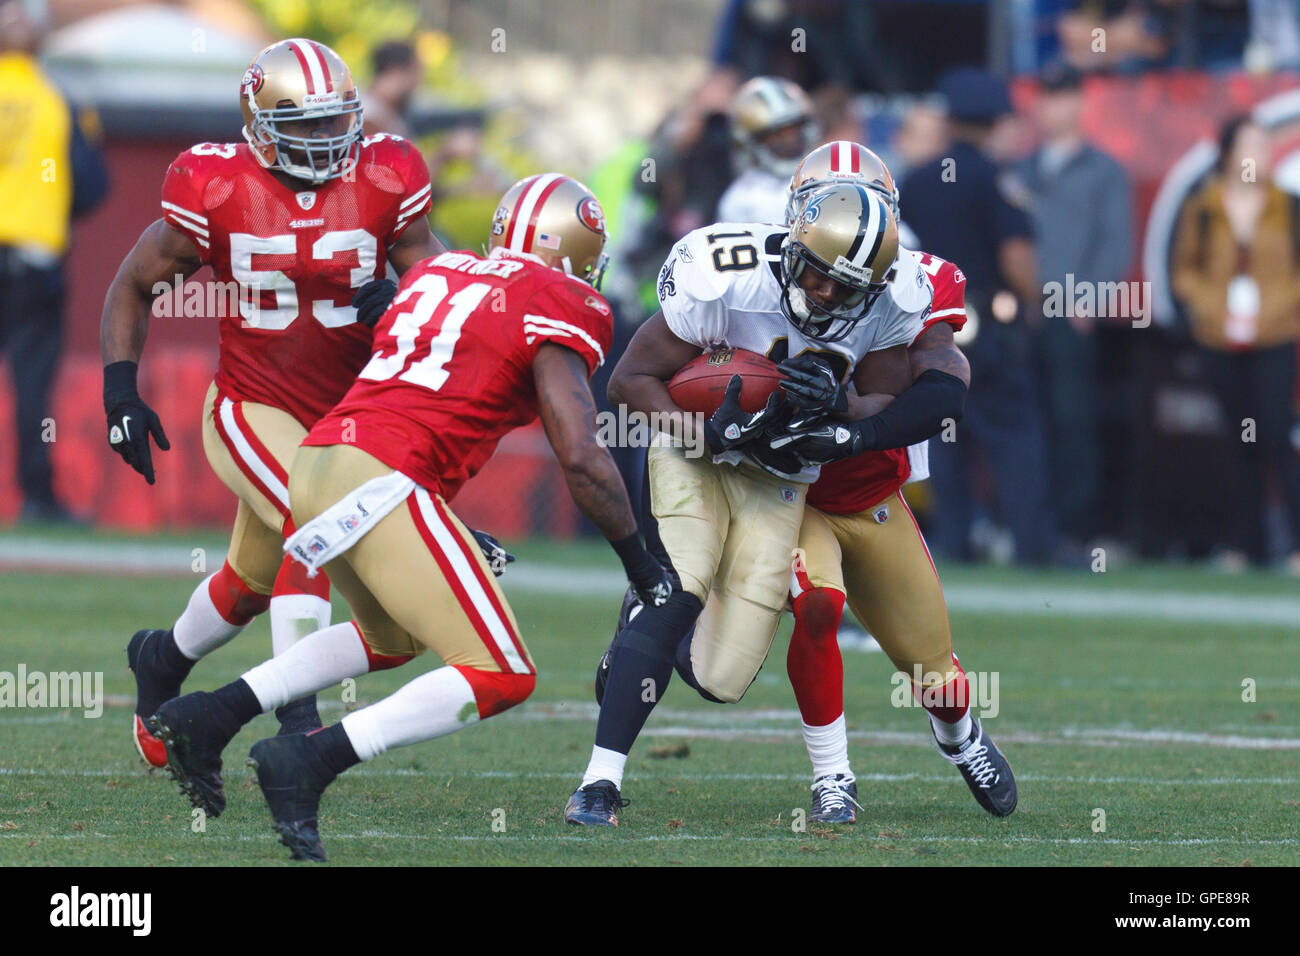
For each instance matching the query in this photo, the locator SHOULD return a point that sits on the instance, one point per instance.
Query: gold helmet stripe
(314, 70)
(524, 223)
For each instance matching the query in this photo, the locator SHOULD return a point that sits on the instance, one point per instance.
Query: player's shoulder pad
(910, 288)
(690, 272)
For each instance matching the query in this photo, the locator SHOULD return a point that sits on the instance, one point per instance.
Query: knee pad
(495, 692)
(657, 631)
(686, 672)
(818, 612)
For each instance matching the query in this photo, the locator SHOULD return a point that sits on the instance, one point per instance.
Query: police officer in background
(48, 174)
(962, 209)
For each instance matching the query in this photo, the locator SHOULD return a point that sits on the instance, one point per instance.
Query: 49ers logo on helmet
(591, 215)
(252, 82)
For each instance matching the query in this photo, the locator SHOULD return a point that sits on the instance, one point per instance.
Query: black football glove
(130, 420)
(649, 579)
(811, 385)
(731, 426)
(373, 299)
(497, 556)
(819, 442)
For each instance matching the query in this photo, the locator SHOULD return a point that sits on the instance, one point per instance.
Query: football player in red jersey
(860, 540)
(470, 348)
(296, 219)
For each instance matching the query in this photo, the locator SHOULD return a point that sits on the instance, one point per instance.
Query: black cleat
(195, 729)
(153, 685)
(834, 797)
(292, 777)
(985, 770)
(298, 716)
(632, 606)
(595, 805)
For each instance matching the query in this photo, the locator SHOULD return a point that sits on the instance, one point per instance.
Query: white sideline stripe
(589, 581)
(717, 777)
(547, 322)
(414, 197)
(186, 214)
(188, 226)
(625, 838)
(268, 478)
(451, 548)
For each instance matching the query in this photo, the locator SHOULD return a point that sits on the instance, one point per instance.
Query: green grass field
(1119, 692)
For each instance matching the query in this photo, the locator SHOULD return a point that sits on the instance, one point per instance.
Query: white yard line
(17, 553)
(623, 837)
(668, 774)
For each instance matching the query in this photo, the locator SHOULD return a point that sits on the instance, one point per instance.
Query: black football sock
(641, 665)
(171, 661)
(239, 699)
(334, 748)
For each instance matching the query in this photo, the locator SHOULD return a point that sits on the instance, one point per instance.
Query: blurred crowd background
(1146, 150)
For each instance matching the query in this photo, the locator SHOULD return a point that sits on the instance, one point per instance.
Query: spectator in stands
(1236, 271)
(49, 173)
(961, 210)
(395, 77)
(1081, 208)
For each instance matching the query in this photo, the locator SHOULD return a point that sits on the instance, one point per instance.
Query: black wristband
(636, 559)
(119, 383)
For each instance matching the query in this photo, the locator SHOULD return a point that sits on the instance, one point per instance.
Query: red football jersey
(297, 257)
(847, 487)
(452, 370)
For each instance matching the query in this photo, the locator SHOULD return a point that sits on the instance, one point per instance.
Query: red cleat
(150, 748)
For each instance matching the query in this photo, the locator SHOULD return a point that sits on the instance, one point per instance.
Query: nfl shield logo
(789, 494)
(881, 514)
(306, 200)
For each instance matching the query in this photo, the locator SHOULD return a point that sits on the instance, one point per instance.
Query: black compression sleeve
(919, 413)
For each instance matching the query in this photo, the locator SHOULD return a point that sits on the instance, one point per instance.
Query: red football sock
(949, 703)
(234, 600)
(813, 662)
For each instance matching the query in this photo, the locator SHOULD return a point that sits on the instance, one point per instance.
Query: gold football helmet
(840, 162)
(845, 232)
(764, 107)
(558, 220)
(302, 113)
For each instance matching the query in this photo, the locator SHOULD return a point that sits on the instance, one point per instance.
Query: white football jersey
(721, 288)
(755, 196)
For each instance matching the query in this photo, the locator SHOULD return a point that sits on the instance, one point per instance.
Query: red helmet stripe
(537, 209)
(835, 155)
(302, 62)
(514, 213)
(857, 158)
(324, 65)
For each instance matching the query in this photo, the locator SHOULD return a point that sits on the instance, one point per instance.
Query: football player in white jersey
(772, 127)
(832, 286)
(859, 543)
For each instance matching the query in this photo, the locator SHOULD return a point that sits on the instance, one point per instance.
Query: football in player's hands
(811, 384)
(373, 299)
(731, 426)
(700, 385)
